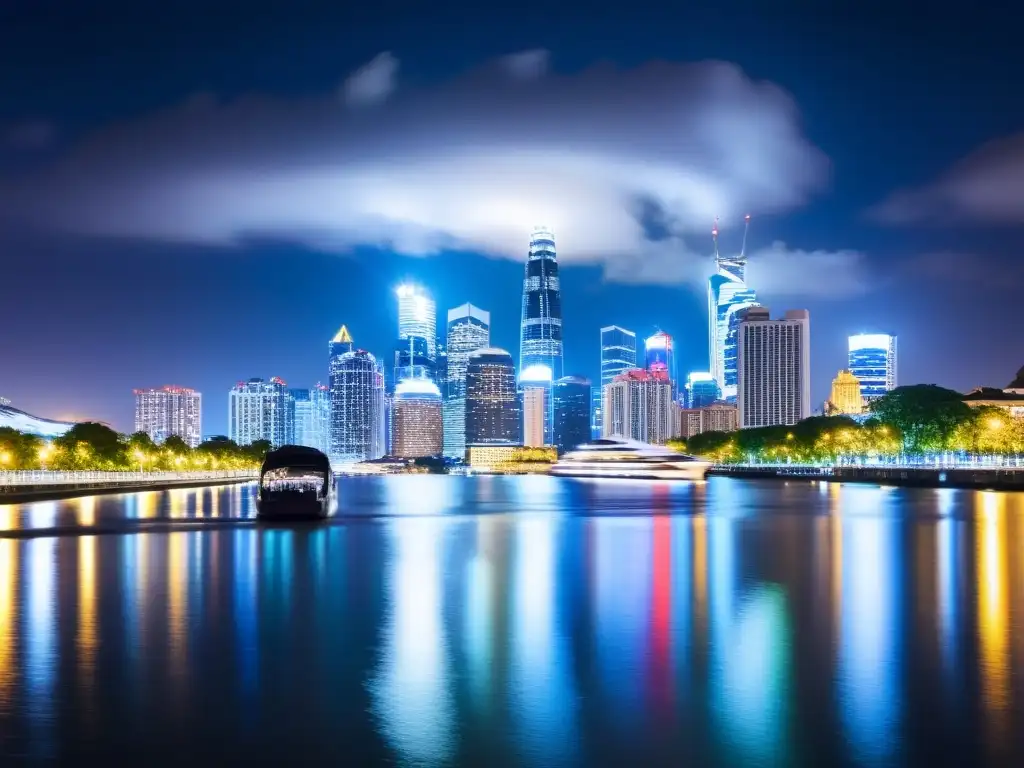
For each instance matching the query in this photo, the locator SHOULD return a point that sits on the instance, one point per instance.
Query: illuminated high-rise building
(541, 329)
(416, 348)
(572, 400)
(312, 416)
(357, 403)
(535, 393)
(618, 355)
(492, 404)
(167, 411)
(261, 410)
(846, 397)
(701, 389)
(728, 295)
(658, 353)
(873, 362)
(417, 422)
(469, 329)
(774, 368)
(638, 405)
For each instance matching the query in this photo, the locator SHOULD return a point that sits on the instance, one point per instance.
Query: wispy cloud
(471, 164)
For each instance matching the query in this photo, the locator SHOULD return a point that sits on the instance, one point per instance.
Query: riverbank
(53, 491)
(994, 479)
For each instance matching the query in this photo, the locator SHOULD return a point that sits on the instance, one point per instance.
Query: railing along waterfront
(24, 478)
(928, 461)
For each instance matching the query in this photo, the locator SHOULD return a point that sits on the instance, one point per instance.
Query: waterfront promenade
(39, 485)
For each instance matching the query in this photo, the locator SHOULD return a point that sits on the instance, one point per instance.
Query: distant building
(845, 397)
(510, 458)
(774, 368)
(540, 340)
(261, 410)
(417, 422)
(618, 355)
(357, 403)
(469, 329)
(492, 404)
(701, 390)
(313, 417)
(659, 354)
(572, 399)
(638, 405)
(417, 317)
(719, 417)
(536, 406)
(873, 362)
(167, 411)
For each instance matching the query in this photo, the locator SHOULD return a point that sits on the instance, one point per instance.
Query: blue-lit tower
(541, 330)
(618, 355)
(873, 362)
(701, 389)
(728, 294)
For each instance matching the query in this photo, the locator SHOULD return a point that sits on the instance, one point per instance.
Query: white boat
(621, 457)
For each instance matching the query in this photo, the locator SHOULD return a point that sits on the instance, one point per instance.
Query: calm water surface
(507, 621)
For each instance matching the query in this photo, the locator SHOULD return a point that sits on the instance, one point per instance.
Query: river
(513, 621)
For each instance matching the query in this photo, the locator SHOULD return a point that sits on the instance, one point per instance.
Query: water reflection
(528, 621)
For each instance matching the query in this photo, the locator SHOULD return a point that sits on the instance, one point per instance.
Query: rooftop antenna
(714, 236)
(746, 228)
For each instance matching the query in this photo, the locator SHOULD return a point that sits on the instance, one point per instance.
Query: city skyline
(107, 202)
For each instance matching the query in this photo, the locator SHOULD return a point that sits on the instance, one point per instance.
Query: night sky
(198, 193)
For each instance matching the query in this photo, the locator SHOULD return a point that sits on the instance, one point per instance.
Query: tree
(927, 416)
(18, 450)
(90, 446)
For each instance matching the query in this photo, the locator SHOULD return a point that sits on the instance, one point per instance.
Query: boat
(296, 482)
(622, 457)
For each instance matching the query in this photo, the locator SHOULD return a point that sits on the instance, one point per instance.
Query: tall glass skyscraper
(541, 330)
(312, 416)
(261, 410)
(728, 294)
(357, 402)
(492, 405)
(469, 329)
(873, 362)
(416, 349)
(618, 355)
(572, 412)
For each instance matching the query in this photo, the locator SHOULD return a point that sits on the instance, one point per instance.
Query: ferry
(621, 457)
(296, 482)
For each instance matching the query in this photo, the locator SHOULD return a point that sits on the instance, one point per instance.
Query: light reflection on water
(521, 621)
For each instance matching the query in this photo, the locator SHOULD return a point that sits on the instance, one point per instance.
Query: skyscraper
(416, 349)
(417, 423)
(728, 294)
(312, 416)
(638, 405)
(618, 355)
(701, 389)
(535, 394)
(469, 329)
(168, 411)
(658, 353)
(873, 362)
(492, 408)
(774, 368)
(572, 400)
(541, 329)
(261, 410)
(357, 402)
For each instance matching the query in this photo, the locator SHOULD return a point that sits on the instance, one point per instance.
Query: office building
(774, 368)
(572, 400)
(469, 329)
(167, 411)
(873, 362)
(541, 328)
(417, 422)
(728, 295)
(618, 355)
(845, 397)
(261, 410)
(492, 403)
(357, 427)
(638, 405)
(535, 397)
(701, 389)
(312, 416)
(719, 417)
(416, 348)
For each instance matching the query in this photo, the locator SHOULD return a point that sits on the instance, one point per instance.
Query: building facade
(356, 386)
(845, 397)
(492, 403)
(618, 355)
(417, 423)
(540, 340)
(728, 295)
(261, 410)
(417, 317)
(469, 329)
(720, 417)
(774, 368)
(572, 400)
(167, 411)
(873, 362)
(701, 390)
(638, 405)
(536, 406)
(313, 416)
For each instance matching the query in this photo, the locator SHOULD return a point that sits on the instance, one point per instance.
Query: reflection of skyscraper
(572, 399)
(535, 391)
(774, 368)
(357, 402)
(417, 423)
(261, 410)
(469, 329)
(873, 362)
(728, 294)
(541, 329)
(618, 355)
(416, 349)
(492, 411)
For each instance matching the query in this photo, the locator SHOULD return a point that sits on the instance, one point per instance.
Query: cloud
(781, 271)
(987, 186)
(471, 164)
(373, 82)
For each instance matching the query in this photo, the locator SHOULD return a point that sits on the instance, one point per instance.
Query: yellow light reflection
(147, 504)
(993, 614)
(700, 576)
(87, 629)
(214, 503)
(9, 520)
(177, 576)
(8, 625)
(86, 510)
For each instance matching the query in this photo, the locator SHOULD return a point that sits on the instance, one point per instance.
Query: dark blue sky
(894, 101)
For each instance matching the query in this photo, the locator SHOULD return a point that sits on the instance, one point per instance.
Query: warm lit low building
(717, 417)
(846, 395)
(510, 458)
(1008, 400)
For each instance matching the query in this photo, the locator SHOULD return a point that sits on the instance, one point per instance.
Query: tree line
(916, 420)
(92, 446)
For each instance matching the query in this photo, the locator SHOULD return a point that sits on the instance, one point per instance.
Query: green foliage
(926, 415)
